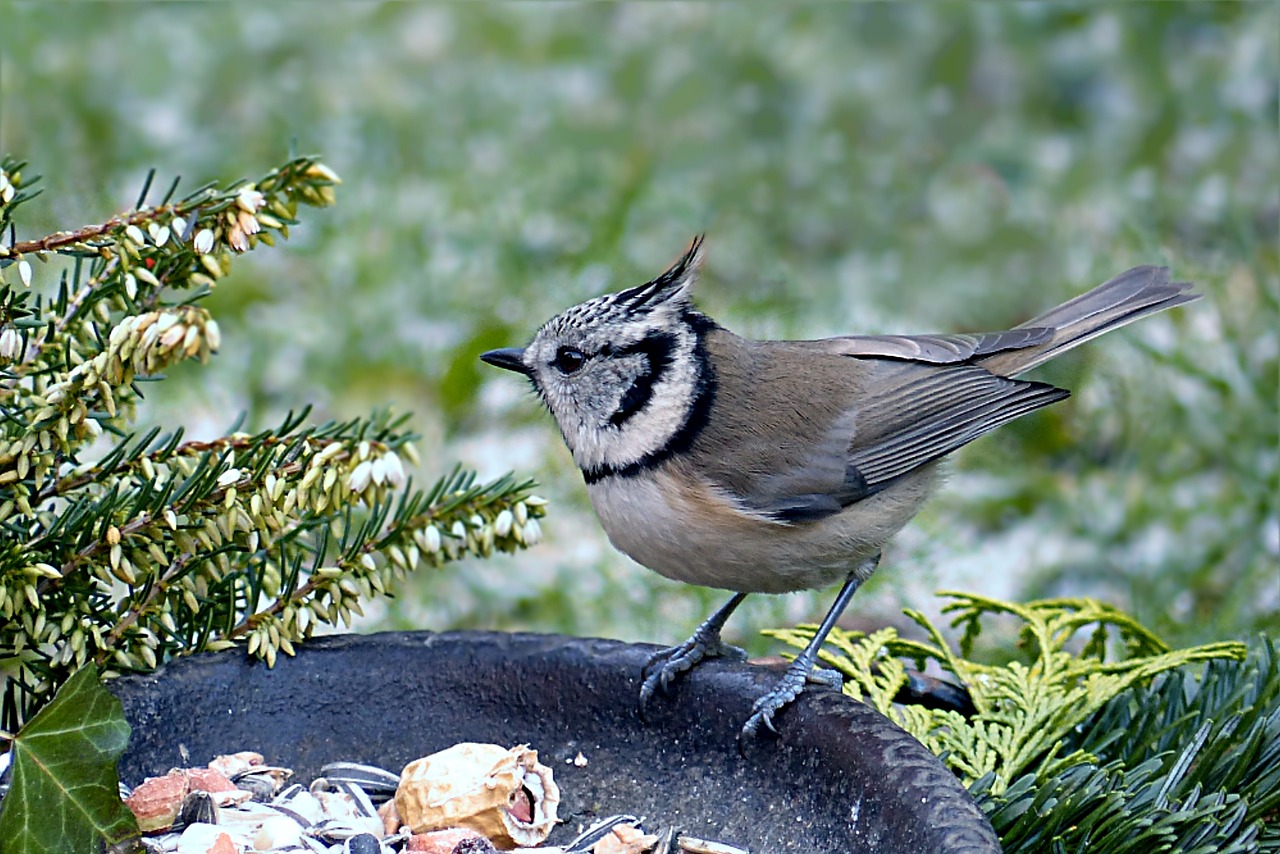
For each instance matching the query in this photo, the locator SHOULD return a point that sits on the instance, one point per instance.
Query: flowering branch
(161, 547)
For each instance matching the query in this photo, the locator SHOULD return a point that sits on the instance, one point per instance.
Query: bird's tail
(1129, 296)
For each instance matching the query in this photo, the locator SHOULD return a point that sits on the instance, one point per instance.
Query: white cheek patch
(649, 429)
(632, 398)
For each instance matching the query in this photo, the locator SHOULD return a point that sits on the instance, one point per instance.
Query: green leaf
(64, 794)
(1188, 763)
(1025, 710)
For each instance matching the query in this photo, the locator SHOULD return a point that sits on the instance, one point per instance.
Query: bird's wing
(827, 444)
(926, 414)
(934, 349)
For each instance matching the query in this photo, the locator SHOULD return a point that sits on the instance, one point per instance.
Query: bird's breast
(686, 528)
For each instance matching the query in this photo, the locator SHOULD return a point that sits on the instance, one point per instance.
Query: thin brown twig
(63, 239)
(297, 597)
(252, 620)
(67, 484)
(300, 593)
(135, 613)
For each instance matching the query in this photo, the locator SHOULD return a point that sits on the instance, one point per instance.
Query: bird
(772, 466)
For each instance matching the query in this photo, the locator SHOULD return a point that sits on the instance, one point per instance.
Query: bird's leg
(802, 669)
(666, 664)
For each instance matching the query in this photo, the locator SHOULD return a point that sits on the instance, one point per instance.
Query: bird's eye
(568, 360)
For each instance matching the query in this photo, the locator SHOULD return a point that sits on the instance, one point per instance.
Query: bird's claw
(826, 677)
(665, 665)
(786, 691)
(773, 702)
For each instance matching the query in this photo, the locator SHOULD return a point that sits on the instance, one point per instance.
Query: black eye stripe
(657, 348)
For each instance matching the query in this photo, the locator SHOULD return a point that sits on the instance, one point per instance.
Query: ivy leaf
(64, 794)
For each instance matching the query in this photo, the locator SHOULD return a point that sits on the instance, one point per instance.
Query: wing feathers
(935, 349)
(963, 418)
(906, 417)
(901, 401)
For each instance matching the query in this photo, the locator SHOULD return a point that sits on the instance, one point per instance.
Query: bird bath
(841, 778)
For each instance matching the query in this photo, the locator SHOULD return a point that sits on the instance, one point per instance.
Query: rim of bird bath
(840, 777)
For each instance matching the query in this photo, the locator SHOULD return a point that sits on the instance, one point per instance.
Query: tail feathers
(1129, 296)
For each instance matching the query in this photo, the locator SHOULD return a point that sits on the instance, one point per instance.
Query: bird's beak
(510, 358)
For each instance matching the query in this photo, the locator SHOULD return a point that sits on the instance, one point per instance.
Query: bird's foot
(784, 693)
(804, 668)
(665, 665)
(826, 677)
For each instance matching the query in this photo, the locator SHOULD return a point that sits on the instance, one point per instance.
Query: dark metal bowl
(841, 778)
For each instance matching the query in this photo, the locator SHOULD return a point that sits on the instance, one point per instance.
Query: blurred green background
(858, 168)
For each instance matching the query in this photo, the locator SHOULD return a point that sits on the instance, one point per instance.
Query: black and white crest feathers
(675, 283)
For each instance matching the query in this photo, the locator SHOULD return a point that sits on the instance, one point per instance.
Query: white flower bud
(532, 532)
(191, 341)
(147, 276)
(24, 272)
(204, 241)
(45, 570)
(395, 470)
(212, 334)
(173, 336)
(249, 199)
(249, 223)
(228, 477)
(319, 170)
(328, 452)
(10, 343)
(135, 234)
(360, 477)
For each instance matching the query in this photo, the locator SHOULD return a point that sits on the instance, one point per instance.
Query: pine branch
(80, 238)
(1191, 763)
